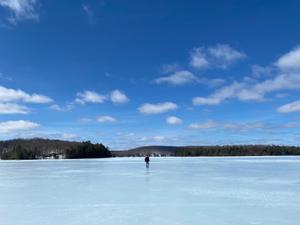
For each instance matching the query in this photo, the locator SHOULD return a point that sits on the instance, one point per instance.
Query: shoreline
(138, 158)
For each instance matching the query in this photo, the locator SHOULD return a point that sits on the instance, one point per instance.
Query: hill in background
(226, 150)
(39, 148)
(148, 150)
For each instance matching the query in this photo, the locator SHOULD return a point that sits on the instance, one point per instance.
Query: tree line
(88, 150)
(238, 150)
(80, 150)
(38, 148)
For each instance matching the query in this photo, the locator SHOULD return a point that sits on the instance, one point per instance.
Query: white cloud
(69, 136)
(221, 94)
(178, 78)
(10, 98)
(158, 108)
(56, 107)
(13, 95)
(206, 101)
(259, 126)
(289, 81)
(13, 108)
(36, 98)
(17, 126)
(219, 56)
(105, 119)
(260, 71)
(85, 120)
(143, 139)
(158, 138)
(171, 68)
(21, 10)
(281, 95)
(173, 120)
(182, 77)
(211, 82)
(249, 91)
(290, 61)
(204, 125)
(89, 97)
(224, 55)
(199, 58)
(117, 96)
(244, 127)
(290, 107)
(66, 108)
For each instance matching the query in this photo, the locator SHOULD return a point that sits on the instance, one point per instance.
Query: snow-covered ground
(174, 191)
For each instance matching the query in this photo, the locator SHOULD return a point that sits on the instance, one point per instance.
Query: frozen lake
(174, 191)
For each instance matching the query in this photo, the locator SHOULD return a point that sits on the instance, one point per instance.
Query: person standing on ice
(147, 160)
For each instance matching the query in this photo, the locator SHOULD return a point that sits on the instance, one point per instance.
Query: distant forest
(38, 148)
(238, 150)
(226, 150)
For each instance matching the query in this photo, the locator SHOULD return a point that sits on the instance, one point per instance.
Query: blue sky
(131, 73)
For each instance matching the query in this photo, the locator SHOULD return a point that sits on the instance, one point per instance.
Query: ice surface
(174, 191)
